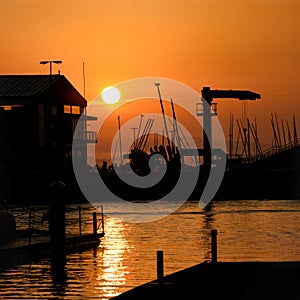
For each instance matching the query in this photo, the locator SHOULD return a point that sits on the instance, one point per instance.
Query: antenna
(83, 74)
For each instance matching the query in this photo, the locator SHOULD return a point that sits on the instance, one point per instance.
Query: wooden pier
(222, 280)
(32, 244)
(20, 251)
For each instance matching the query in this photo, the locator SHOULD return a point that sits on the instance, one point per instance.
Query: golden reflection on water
(113, 270)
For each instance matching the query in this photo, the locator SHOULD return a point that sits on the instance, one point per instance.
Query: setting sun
(110, 95)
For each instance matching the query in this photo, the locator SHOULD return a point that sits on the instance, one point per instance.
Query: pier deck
(225, 280)
(21, 251)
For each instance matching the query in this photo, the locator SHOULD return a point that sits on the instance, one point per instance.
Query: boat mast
(163, 114)
(175, 125)
(121, 158)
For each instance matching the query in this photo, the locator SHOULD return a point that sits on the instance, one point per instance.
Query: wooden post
(160, 266)
(95, 223)
(102, 218)
(214, 253)
(57, 223)
(29, 228)
(79, 219)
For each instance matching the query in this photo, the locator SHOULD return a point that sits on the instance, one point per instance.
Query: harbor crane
(208, 95)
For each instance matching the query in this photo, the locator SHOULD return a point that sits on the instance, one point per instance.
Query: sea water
(248, 230)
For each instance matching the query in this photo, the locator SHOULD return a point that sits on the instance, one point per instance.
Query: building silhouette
(38, 117)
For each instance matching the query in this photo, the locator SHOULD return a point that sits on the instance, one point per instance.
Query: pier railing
(30, 222)
(273, 151)
(79, 220)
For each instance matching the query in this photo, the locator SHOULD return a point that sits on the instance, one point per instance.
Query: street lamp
(44, 62)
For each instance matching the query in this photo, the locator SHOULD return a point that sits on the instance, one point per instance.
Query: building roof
(25, 85)
(40, 88)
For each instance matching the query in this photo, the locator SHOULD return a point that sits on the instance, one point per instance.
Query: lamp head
(44, 62)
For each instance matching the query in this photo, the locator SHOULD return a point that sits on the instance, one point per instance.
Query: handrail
(35, 220)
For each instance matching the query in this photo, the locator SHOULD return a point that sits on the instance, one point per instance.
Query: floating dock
(34, 243)
(224, 280)
(21, 251)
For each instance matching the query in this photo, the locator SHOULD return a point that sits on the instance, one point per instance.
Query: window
(75, 110)
(67, 109)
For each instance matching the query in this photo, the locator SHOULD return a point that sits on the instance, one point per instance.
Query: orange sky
(249, 44)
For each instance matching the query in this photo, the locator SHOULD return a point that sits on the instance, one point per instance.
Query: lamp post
(54, 150)
(44, 62)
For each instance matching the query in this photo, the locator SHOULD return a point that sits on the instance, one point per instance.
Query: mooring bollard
(95, 223)
(214, 252)
(160, 266)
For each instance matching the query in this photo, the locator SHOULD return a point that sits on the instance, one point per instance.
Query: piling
(57, 223)
(79, 219)
(95, 227)
(29, 228)
(214, 252)
(102, 218)
(160, 266)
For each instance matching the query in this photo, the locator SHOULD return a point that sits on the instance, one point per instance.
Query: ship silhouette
(251, 173)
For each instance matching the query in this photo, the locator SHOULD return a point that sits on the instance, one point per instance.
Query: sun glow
(110, 95)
